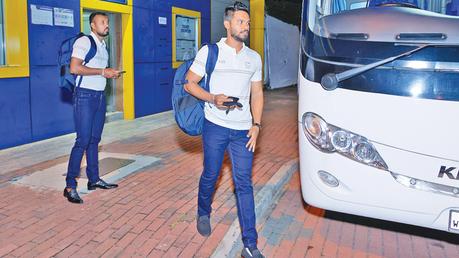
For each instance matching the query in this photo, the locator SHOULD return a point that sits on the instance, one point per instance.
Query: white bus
(379, 109)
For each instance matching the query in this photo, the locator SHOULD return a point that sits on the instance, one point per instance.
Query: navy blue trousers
(217, 139)
(89, 108)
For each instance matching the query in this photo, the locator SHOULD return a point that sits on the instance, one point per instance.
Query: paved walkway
(296, 229)
(152, 213)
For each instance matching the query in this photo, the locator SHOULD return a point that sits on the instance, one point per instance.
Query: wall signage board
(186, 40)
(63, 17)
(41, 15)
(162, 20)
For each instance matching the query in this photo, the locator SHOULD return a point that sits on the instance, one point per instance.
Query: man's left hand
(253, 134)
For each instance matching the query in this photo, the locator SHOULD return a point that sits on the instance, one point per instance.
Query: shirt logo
(247, 65)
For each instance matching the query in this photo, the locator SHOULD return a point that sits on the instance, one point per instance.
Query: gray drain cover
(107, 165)
(112, 166)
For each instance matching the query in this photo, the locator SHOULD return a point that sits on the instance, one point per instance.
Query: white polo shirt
(100, 60)
(233, 75)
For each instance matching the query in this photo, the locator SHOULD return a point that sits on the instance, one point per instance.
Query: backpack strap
(212, 57)
(92, 50)
(90, 55)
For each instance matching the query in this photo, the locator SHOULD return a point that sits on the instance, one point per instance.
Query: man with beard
(234, 128)
(89, 106)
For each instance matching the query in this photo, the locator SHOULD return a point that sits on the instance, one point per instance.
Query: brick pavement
(295, 229)
(152, 213)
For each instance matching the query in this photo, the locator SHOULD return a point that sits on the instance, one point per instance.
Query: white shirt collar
(101, 43)
(223, 42)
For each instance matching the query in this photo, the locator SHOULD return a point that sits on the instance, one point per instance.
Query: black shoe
(72, 196)
(101, 184)
(251, 253)
(203, 225)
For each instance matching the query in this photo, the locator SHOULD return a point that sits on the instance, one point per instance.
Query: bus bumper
(372, 192)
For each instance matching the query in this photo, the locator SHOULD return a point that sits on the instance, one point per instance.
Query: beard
(103, 34)
(241, 37)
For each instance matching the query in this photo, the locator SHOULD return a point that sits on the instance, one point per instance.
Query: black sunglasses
(237, 6)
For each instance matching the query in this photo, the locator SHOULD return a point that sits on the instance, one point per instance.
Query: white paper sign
(186, 28)
(63, 17)
(162, 20)
(185, 50)
(41, 14)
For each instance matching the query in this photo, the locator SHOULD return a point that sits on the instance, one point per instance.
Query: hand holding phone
(119, 74)
(232, 103)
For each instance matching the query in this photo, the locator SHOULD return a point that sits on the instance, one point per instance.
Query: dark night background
(286, 10)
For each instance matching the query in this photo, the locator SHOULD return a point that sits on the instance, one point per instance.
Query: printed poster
(63, 17)
(41, 15)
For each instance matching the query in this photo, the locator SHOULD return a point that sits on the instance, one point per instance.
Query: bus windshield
(386, 20)
(330, 7)
(364, 48)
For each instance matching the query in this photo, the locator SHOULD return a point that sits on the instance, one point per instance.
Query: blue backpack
(189, 110)
(66, 79)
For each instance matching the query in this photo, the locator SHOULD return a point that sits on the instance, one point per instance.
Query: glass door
(114, 88)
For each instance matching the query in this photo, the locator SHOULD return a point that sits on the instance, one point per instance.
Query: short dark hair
(94, 14)
(237, 6)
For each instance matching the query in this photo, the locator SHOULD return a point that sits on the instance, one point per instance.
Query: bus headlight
(317, 131)
(341, 140)
(329, 138)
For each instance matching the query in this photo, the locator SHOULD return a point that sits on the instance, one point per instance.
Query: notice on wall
(185, 50)
(63, 17)
(162, 20)
(186, 37)
(186, 28)
(42, 15)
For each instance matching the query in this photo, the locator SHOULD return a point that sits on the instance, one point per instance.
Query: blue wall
(15, 126)
(34, 108)
(51, 108)
(153, 73)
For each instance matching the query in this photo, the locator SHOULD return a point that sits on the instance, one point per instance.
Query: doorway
(114, 87)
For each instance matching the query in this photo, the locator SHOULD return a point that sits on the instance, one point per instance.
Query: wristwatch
(257, 125)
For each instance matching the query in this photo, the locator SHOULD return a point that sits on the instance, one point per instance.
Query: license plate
(454, 221)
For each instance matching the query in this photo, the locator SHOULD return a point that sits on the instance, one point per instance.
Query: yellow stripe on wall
(128, 65)
(257, 27)
(107, 6)
(16, 40)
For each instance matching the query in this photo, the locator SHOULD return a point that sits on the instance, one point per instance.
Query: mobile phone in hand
(234, 102)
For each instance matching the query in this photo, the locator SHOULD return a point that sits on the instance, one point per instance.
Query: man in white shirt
(237, 74)
(89, 106)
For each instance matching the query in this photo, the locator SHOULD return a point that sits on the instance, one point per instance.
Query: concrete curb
(231, 244)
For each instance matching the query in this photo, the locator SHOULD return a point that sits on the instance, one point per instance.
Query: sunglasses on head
(237, 6)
